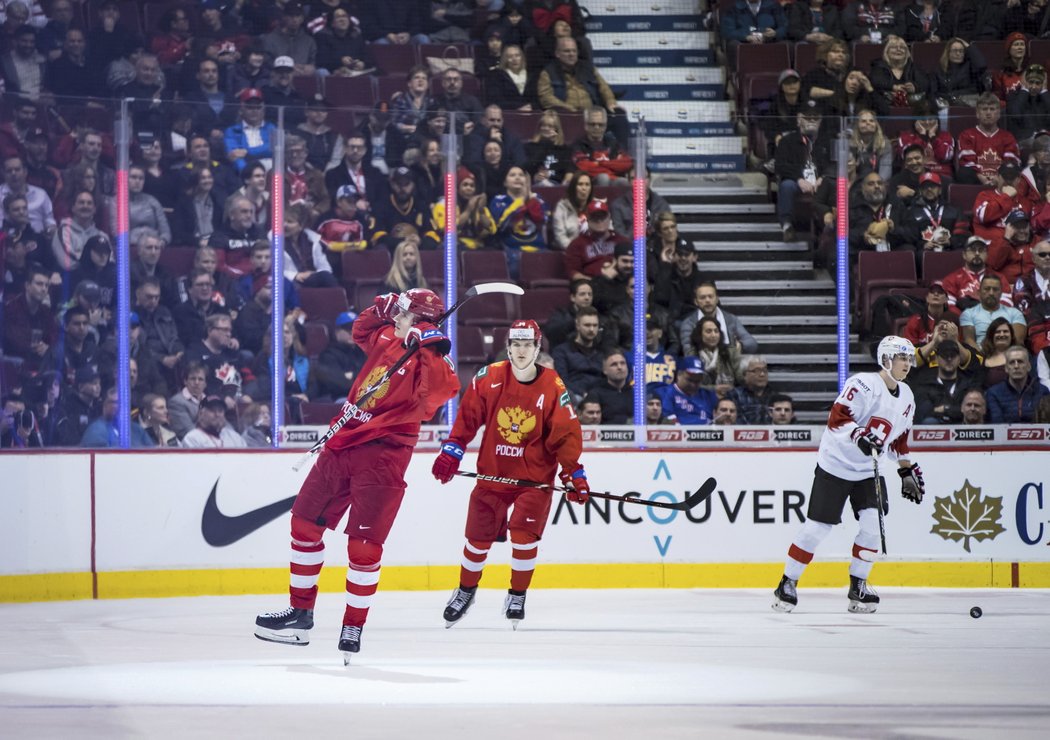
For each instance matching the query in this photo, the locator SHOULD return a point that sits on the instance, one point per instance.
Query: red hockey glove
(428, 335)
(576, 481)
(447, 463)
(866, 441)
(386, 306)
(534, 210)
(912, 484)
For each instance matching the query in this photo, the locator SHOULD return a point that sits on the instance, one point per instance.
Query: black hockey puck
(976, 612)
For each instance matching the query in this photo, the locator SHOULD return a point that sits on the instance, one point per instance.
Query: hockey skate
(514, 608)
(290, 626)
(862, 597)
(458, 606)
(349, 642)
(785, 596)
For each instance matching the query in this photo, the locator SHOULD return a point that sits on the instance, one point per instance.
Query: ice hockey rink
(584, 664)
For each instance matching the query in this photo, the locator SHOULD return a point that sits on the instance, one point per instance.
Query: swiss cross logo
(664, 435)
(1025, 434)
(931, 435)
(751, 435)
(589, 435)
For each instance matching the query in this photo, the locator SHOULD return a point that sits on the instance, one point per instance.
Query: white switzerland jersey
(865, 403)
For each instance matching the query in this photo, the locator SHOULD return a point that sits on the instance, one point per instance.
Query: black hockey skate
(785, 596)
(290, 626)
(349, 642)
(458, 606)
(514, 607)
(862, 597)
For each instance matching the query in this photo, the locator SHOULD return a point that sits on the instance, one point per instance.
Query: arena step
(655, 24)
(705, 208)
(774, 286)
(645, 7)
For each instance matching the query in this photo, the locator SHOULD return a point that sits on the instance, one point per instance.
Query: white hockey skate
(785, 597)
(289, 626)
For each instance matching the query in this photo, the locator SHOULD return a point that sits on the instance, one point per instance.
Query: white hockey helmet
(891, 347)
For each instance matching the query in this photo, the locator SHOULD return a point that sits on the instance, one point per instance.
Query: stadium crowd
(947, 115)
(366, 92)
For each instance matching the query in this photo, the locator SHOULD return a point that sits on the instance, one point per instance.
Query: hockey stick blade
(495, 287)
(690, 501)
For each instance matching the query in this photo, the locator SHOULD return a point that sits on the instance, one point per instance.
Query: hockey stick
(690, 501)
(878, 498)
(349, 409)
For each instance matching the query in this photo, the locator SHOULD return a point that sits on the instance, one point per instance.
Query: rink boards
(120, 525)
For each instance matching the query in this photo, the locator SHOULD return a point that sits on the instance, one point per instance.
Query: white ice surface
(584, 664)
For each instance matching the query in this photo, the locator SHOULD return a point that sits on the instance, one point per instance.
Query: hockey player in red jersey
(530, 429)
(362, 467)
(872, 416)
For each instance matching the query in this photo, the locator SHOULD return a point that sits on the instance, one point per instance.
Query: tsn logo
(665, 435)
(1025, 434)
(930, 435)
(751, 435)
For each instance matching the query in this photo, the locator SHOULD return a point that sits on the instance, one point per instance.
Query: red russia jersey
(530, 428)
(414, 393)
(964, 283)
(867, 403)
(991, 208)
(985, 152)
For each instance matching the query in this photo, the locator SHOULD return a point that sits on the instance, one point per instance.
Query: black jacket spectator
(1027, 111)
(968, 77)
(917, 26)
(883, 80)
(802, 21)
(795, 151)
(862, 21)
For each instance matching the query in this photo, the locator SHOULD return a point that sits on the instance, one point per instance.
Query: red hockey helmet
(424, 303)
(525, 329)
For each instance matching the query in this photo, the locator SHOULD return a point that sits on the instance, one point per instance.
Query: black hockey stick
(349, 409)
(690, 501)
(878, 497)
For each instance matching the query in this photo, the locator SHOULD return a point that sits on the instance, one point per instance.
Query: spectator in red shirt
(598, 152)
(964, 285)
(591, 251)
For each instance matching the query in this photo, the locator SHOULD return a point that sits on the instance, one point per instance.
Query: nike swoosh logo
(362, 526)
(220, 530)
(496, 385)
(529, 520)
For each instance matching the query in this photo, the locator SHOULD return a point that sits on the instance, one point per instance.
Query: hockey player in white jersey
(872, 416)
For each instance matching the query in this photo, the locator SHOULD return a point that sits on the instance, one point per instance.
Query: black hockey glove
(912, 484)
(866, 441)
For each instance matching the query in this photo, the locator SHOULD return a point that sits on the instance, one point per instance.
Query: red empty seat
(493, 309)
(544, 270)
(433, 262)
(805, 58)
(1039, 51)
(365, 265)
(927, 54)
(960, 118)
(539, 303)
(388, 85)
(551, 194)
(522, 125)
(306, 85)
(316, 337)
(323, 304)
(320, 413)
(938, 265)
(864, 54)
(394, 59)
(572, 126)
(484, 266)
(470, 341)
(752, 58)
(993, 54)
(963, 196)
(364, 294)
(349, 92)
(178, 261)
(877, 273)
(899, 120)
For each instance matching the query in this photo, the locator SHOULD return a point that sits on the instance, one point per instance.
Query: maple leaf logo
(966, 515)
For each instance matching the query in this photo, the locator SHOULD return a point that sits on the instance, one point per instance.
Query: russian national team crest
(370, 379)
(515, 424)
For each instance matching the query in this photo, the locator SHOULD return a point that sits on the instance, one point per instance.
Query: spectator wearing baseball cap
(290, 40)
(925, 330)
(1011, 254)
(929, 225)
(251, 137)
(802, 156)
(589, 252)
(279, 92)
(212, 431)
(1028, 108)
(1009, 192)
(339, 363)
(400, 205)
(684, 401)
(938, 398)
